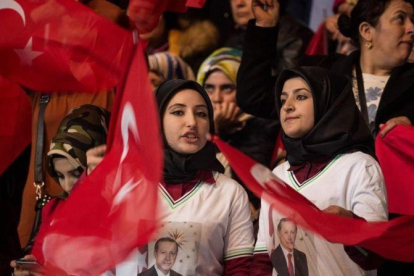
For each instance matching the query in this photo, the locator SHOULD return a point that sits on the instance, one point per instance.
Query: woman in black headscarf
(206, 213)
(329, 161)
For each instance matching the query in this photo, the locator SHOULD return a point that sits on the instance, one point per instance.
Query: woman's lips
(190, 138)
(290, 119)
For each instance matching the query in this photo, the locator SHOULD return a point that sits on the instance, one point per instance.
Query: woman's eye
(400, 19)
(301, 97)
(201, 114)
(60, 176)
(76, 174)
(209, 88)
(177, 112)
(283, 101)
(228, 88)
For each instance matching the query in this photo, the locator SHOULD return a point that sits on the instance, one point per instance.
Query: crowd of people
(312, 119)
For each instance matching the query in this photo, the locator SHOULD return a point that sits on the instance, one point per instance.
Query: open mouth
(190, 137)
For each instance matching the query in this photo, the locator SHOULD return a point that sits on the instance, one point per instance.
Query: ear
(366, 32)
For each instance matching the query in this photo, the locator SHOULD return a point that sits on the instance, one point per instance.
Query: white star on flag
(27, 55)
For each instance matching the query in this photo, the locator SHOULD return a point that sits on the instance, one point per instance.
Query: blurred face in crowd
(297, 113)
(155, 80)
(287, 235)
(66, 172)
(220, 88)
(392, 38)
(165, 255)
(186, 123)
(241, 11)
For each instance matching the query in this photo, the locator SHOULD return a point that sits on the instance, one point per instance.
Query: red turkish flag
(146, 13)
(395, 153)
(319, 43)
(376, 236)
(60, 45)
(15, 122)
(113, 210)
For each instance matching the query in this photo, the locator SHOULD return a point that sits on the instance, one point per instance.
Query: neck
(162, 270)
(370, 64)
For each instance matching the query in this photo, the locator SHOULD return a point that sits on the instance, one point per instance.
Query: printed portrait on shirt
(286, 258)
(174, 250)
(165, 255)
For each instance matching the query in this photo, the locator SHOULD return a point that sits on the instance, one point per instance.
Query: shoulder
(357, 159)
(149, 272)
(300, 254)
(225, 182)
(230, 187)
(281, 169)
(173, 273)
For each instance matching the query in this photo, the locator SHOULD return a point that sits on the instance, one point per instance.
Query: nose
(288, 106)
(410, 27)
(216, 97)
(167, 257)
(67, 184)
(191, 121)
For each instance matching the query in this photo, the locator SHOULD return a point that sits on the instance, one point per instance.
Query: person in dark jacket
(292, 41)
(383, 80)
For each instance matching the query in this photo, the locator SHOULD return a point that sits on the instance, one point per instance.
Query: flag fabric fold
(61, 45)
(113, 210)
(376, 236)
(395, 153)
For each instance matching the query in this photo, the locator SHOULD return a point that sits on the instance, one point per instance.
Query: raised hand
(266, 12)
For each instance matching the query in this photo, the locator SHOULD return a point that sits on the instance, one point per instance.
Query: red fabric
(15, 122)
(176, 191)
(114, 209)
(195, 3)
(319, 43)
(309, 169)
(145, 14)
(60, 45)
(261, 265)
(348, 231)
(395, 153)
(238, 266)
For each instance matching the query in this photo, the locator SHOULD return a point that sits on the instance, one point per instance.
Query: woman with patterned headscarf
(164, 66)
(84, 128)
(253, 136)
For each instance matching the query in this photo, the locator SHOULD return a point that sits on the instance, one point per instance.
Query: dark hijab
(180, 168)
(339, 126)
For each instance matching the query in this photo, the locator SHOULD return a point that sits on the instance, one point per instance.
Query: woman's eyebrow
(177, 104)
(300, 89)
(201, 105)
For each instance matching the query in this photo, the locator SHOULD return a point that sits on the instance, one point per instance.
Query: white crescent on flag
(13, 5)
(128, 123)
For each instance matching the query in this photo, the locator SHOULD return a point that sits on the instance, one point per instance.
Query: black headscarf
(339, 126)
(180, 168)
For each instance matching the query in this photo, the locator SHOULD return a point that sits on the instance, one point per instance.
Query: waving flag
(113, 210)
(15, 122)
(376, 236)
(60, 45)
(395, 153)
